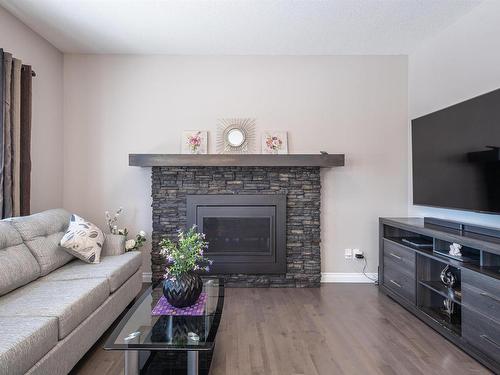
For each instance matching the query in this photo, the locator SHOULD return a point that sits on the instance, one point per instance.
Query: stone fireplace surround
(301, 185)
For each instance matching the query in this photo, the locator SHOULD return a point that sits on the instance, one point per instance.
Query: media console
(467, 312)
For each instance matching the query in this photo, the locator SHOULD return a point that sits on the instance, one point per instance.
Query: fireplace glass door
(244, 233)
(238, 230)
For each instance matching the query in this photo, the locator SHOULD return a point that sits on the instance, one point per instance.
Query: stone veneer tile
(170, 185)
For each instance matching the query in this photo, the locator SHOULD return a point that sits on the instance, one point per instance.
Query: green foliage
(186, 254)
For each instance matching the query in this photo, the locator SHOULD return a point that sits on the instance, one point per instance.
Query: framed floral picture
(274, 142)
(194, 142)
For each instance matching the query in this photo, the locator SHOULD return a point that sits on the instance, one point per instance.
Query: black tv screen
(456, 156)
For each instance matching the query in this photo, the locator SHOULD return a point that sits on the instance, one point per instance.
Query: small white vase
(114, 244)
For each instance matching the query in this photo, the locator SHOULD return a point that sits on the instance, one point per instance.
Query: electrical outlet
(357, 252)
(348, 253)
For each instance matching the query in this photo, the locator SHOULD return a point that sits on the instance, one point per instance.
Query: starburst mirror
(235, 136)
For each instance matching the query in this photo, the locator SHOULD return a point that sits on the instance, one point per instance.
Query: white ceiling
(238, 27)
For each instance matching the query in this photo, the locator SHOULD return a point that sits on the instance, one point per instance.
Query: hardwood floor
(336, 329)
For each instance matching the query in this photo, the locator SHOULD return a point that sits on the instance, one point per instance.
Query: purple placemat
(165, 308)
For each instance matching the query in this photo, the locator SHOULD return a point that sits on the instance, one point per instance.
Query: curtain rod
(33, 73)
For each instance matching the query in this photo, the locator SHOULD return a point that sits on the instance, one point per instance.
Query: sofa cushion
(117, 269)
(24, 341)
(17, 265)
(83, 240)
(41, 233)
(70, 301)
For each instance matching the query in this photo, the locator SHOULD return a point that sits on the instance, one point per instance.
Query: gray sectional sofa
(54, 307)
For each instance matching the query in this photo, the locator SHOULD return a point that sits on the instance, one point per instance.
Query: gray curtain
(26, 77)
(12, 146)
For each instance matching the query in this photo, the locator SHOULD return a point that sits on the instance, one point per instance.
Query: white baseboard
(146, 277)
(339, 277)
(326, 277)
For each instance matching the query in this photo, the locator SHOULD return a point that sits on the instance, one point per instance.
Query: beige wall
(47, 133)
(116, 105)
(459, 63)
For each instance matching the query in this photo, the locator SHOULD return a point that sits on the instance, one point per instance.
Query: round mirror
(235, 137)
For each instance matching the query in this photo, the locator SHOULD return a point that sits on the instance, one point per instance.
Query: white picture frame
(275, 142)
(194, 142)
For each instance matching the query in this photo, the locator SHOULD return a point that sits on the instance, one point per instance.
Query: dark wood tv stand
(411, 276)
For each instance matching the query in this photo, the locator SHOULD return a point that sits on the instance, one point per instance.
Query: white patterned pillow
(83, 240)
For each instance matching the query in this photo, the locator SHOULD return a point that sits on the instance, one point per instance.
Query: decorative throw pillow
(83, 240)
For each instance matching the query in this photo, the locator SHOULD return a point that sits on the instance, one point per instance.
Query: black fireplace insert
(246, 233)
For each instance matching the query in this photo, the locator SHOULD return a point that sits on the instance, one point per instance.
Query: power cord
(364, 272)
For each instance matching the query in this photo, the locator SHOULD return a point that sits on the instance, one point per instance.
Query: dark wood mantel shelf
(246, 160)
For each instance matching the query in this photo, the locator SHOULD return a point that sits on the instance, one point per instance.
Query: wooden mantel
(231, 160)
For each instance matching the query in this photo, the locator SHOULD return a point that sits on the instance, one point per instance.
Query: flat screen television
(456, 156)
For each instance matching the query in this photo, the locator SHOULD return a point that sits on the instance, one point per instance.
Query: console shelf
(437, 286)
(440, 317)
(466, 307)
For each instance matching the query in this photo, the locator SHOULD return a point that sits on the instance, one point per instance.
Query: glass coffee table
(169, 344)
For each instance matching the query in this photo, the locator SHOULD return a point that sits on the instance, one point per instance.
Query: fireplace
(292, 193)
(281, 215)
(246, 233)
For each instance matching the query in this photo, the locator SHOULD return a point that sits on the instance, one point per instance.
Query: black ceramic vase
(182, 290)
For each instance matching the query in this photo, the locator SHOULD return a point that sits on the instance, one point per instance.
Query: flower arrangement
(112, 220)
(137, 242)
(131, 244)
(186, 255)
(273, 143)
(194, 141)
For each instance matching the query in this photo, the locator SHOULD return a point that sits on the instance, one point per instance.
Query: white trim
(146, 277)
(339, 277)
(326, 277)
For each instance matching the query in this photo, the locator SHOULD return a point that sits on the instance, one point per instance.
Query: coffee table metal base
(192, 365)
(131, 362)
(132, 356)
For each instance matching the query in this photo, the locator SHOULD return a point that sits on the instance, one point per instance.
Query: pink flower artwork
(274, 143)
(194, 142)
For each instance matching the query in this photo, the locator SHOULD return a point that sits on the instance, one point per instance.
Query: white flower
(130, 244)
(142, 233)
